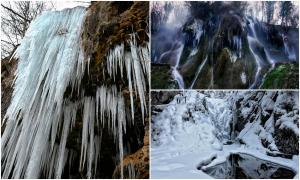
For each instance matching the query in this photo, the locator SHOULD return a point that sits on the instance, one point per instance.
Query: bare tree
(16, 17)
(286, 11)
(270, 10)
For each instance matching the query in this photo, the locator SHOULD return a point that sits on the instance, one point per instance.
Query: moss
(284, 76)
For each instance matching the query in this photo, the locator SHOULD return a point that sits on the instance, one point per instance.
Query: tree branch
(9, 9)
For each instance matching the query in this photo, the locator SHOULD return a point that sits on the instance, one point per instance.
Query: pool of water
(244, 166)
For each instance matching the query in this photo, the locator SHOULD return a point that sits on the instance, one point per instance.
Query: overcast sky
(59, 5)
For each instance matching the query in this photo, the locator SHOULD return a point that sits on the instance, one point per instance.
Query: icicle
(128, 68)
(121, 121)
(137, 66)
(131, 170)
(87, 142)
(69, 116)
(98, 140)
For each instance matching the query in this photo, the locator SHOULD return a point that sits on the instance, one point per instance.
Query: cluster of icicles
(39, 118)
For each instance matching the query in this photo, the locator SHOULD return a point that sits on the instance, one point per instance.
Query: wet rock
(162, 97)
(136, 165)
(8, 68)
(286, 141)
(161, 77)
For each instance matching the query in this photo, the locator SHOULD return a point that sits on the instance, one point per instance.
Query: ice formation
(48, 62)
(40, 116)
(136, 62)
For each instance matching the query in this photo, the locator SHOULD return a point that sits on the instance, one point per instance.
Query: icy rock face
(269, 118)
(48, 62)
(115, 40)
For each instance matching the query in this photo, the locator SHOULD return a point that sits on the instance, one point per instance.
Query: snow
(288, 121)
(187, 132)
(192, 131)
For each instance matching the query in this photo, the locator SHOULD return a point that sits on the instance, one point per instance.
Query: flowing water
(198, 72)
(175, 72)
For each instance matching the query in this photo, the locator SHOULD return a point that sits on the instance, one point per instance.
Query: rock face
(278, 117)
(162, 97)
(8, 68)
(136, 165)
(110, 23)
(283, 76)
(286, 145)
(161, 77)
(107, 25)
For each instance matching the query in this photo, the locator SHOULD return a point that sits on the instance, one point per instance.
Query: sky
(59, 5)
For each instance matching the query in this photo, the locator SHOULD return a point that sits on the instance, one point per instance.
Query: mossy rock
(223, 59)
(283, 76)
(161, 77)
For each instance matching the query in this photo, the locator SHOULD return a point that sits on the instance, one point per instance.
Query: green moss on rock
(283, 76)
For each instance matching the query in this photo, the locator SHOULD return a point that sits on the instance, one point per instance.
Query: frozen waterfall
(49, 59)
(40, 116)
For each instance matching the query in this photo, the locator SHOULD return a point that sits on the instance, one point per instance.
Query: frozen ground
(191, 131)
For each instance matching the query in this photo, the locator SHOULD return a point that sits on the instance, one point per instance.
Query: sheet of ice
(49, 59)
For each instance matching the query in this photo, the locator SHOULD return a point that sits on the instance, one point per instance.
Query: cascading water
(171, 26)
(253, 42)
(198, 72)
(289, 51)
(176, 74)
(197, 27)
(41, 116)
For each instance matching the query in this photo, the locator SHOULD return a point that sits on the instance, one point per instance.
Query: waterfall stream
(198, 72)
(176, 74)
